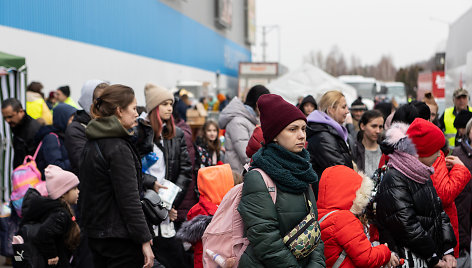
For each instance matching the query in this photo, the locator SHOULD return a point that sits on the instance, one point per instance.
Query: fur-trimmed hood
(192, 231)
(396, 137)
(342, 188)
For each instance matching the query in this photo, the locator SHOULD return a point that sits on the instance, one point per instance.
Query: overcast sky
(407, 30)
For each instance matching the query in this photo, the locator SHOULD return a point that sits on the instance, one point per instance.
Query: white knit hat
(156, 95)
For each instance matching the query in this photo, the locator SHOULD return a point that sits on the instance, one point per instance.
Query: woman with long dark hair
(208, 146)
(366, 151)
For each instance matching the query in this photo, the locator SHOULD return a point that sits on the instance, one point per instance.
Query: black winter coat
(464, 200)
(55, 222)
(410, 215)
(326, 147)
(110, 190)
(23, 139)
(358, 155)
(75, 139)
(178, 166)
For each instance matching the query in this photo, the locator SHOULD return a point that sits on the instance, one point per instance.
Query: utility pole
(265, 30)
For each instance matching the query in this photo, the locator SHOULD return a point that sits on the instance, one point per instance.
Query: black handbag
(153, 207)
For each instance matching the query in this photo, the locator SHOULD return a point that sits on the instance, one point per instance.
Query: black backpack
(27, 255)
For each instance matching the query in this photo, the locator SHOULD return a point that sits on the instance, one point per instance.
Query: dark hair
(213, 146)
(35, 87)
(366, 117)
(112, 97)
(385, 108)
(99, 90)
(65, 90)
(423, 109)
(253, 95)
(72, 237)
(14, 103)
(407, 113)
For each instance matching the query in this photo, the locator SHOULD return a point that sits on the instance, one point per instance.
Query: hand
(452, 160)
(450, 261)
(148, 255)
(53, 261)
(440, 264)
(173, 214)
(393, 262)
(158, 186)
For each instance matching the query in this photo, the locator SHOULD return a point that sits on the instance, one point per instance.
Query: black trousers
(116, 252)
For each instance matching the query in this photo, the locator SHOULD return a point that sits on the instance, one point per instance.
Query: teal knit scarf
(291, 172)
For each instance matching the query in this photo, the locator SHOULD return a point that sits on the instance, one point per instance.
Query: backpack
(25, 253)
(25, 176)
(225, 233)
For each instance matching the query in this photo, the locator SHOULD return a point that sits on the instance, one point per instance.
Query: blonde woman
(326, 135)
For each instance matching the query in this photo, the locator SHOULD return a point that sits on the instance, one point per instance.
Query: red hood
(340, 188)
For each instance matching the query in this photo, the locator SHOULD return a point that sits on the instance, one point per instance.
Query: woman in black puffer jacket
(326, 136)
(409, 212)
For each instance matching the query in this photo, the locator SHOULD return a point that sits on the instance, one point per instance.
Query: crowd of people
(322, 184)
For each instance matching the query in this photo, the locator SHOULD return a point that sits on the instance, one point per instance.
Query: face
(339, 112)
(211, 133)
(434, 112)
(308, 108)
(60, 96)
(461, 132)
(429, 160)
(71, 196)
(128, 115)
(11, 117)
(357, 114)
(165, 110)
(461, 102)
(293, 136)
(373, 129)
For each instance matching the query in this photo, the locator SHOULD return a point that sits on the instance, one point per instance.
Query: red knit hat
(427, 137)
(276, 114)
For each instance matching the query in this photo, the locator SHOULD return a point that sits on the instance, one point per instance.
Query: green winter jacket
(266, 224)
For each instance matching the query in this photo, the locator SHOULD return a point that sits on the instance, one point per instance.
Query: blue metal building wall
(146, 27)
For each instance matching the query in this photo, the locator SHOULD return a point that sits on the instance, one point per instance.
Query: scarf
(410, 166)
(291, 172)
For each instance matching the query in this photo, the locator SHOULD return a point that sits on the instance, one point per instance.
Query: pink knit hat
(59, 181)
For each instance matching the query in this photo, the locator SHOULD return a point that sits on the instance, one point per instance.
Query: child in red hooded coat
(344, 194)
(213, 183)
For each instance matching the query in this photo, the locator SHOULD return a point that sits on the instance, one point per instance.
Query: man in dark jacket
(23, 127)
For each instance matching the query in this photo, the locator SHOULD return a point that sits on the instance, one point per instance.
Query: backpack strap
(35, 153)
(326, 216)
(342, 256)
(340, 259)
(39, 147)
(269, 183)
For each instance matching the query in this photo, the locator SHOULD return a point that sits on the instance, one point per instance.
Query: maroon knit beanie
(276, 114)
(427, 137)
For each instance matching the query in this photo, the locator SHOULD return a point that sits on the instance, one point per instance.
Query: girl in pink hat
(58, 234)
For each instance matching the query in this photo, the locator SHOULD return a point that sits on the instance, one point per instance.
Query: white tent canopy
(309, 80)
